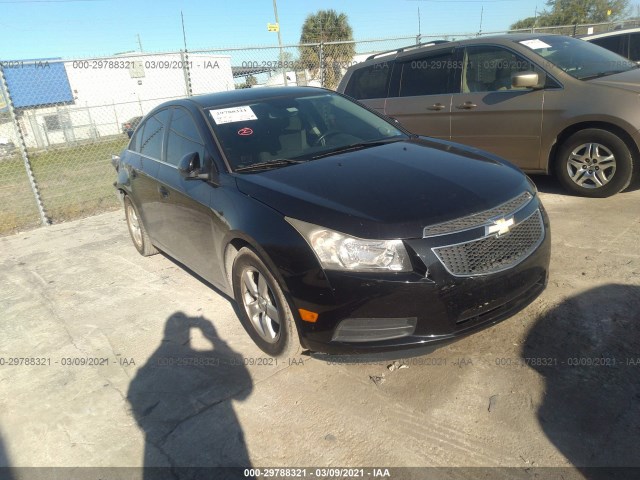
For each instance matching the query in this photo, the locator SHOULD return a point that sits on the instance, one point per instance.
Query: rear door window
(370, 82)
(428, 75)
(134, 143)
(153, 134)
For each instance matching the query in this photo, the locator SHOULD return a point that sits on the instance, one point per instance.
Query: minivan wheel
(264, 312)
(594, 163)
(138, 233)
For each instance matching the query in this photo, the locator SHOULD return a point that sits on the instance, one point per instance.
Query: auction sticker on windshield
(233, 114)
(535, 44)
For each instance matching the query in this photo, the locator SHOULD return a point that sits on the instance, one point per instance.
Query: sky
(80, 28)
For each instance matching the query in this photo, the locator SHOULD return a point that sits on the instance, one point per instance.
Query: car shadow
(550, 184)
(6, 471)
(587, 349)
(182, 400)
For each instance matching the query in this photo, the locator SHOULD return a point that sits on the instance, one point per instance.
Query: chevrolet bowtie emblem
(500, 226)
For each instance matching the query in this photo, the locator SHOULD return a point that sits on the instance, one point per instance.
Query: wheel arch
(234, 244)
(576, 127)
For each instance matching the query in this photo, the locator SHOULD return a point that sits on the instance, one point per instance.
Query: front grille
(478, 219)
(495, 253)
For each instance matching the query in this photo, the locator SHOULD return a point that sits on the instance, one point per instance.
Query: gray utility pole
(184, 57)
(284, 70)
(139, 42)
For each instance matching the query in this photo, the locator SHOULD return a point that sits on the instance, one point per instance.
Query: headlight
(533, 186)
(339, 251)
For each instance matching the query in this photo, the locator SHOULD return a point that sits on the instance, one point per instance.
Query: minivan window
(428, 75)
(153, 134)
(489, 69)
(613, 43)
(580, 59)
(183, 137)
(370, 82)
(634, 47)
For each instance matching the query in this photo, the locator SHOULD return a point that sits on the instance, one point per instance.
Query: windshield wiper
(268, 164)
(603, 74)
(357, 146)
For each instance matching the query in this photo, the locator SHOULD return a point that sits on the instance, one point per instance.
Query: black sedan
(334, 229)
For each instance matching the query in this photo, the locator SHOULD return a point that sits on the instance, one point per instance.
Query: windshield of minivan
(281, 130)
(580, 59)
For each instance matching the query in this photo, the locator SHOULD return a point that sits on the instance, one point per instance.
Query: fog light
(374, 329)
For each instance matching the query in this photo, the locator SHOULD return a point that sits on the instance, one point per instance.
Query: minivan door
(490, 114)
(422, 100)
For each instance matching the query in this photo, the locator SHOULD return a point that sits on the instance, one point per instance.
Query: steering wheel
(322, 139)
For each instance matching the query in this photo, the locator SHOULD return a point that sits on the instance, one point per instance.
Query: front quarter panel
(280, 246)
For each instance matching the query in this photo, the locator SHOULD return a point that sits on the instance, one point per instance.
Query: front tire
(264, 311)
(137, 230)
(594, 163)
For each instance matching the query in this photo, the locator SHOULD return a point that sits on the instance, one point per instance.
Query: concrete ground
(111, 359)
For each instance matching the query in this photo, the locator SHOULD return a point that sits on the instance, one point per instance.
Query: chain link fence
(61, 119)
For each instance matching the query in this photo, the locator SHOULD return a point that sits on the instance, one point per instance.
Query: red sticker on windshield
(245, 131)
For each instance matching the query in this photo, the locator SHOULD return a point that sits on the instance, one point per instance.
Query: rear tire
(594, 163)
(264, 311)
(137, 230)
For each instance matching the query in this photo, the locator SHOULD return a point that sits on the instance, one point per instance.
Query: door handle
(466, 106)
(436, 106)
(164, 193)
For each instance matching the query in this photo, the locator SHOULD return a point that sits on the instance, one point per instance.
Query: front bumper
(426, 306)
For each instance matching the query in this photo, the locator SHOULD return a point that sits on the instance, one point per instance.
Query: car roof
(249, 95)
(611, 33)
(428, 46)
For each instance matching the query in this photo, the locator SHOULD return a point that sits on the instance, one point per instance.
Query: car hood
(629, 80)
(388, 191)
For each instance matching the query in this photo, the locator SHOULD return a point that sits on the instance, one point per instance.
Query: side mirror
(526, 79)
(189, 167)
(115, 161)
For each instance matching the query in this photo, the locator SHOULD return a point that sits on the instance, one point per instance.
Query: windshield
(580, 59)
(295, 127)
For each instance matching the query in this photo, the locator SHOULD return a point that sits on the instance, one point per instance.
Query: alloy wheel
(134, 225)
(259, 303)
(591, 165)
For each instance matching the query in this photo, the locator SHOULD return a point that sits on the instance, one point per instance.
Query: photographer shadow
(182, 400)
(591, 407)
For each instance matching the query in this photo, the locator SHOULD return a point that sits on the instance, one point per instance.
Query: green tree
(570, 12)
(251, 81)
(326, 61)
(528, 22)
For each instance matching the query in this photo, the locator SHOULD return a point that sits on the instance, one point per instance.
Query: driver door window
(489, 69)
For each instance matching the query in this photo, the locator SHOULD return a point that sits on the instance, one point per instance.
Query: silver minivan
(548, 103)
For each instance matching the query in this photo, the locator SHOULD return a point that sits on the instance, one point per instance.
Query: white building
(91, 99)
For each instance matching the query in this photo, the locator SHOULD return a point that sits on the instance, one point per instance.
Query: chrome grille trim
(493, 253)
(478, 219)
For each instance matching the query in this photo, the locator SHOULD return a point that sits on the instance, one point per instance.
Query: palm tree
(327, 61)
